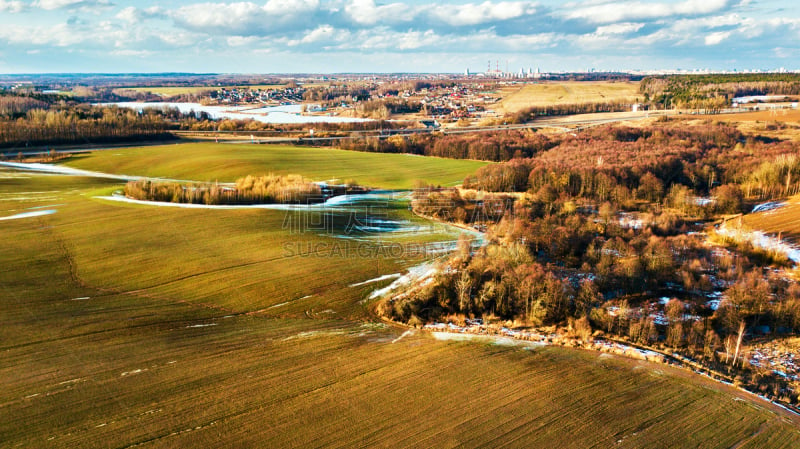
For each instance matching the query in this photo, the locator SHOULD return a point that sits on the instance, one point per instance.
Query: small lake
(284, 114)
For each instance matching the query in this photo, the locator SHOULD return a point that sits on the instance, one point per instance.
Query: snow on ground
(772, 205)
(703, 201)
(419, 274)
(497, 340)
(377, 279)
(63, 170)
(764, 241)
(123, 199)
(405, 334)
(37, 213)
(53, 169)
(267, 114)
(629, 221)
(715, 300)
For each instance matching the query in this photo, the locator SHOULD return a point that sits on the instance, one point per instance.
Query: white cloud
(324, 34)
(135, 15)
(241, 41)
(618, 29)
(284, 7)
(717, 38)
(632, 11)
(11, 6)
(132, 53)
(71, 4)
(245, 18)
(474, 13)
(366, 12)
(59, 35)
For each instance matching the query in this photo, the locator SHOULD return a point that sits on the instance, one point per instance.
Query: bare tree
(739, 341)
(463, 287)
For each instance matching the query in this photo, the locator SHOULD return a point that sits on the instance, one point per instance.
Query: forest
(714, 91)
(38, 119)
(604, 231)
(529, 114)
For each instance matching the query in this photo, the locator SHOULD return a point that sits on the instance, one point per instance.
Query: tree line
(81, 124)
(714, 91)
(268, 189)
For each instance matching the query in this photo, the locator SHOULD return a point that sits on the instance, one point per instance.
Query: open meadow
(554, 93)
(227, 162)
(128, 325)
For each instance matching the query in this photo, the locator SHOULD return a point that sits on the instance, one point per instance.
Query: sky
(334, 36)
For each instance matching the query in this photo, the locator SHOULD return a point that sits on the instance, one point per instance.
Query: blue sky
(318, 36)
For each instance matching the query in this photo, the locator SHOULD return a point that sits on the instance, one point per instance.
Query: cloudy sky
(279, 36)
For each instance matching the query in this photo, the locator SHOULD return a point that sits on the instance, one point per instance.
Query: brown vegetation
(269, 189)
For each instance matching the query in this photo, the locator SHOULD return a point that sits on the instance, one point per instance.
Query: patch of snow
(200, 325)
(377, 279)
(499, 341)
(45, 207)
(764, 241)
(405, 334)
(703, 201)
(772, 205)
(64, 170)
(627, 221)
(38, 213)
(419, 273)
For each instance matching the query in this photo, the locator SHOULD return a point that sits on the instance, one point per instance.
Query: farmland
(555, 93)
(783, 220)
(227, 162)
(166, 327)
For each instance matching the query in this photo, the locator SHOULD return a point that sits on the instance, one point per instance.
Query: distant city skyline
(317, 36)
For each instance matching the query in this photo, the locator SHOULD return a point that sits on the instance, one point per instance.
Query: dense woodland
(714, 91)
(30, 120)
(531, 113)
(592, 230)
(489, 146)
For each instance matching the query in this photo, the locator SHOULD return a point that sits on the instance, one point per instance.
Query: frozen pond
(284, 114)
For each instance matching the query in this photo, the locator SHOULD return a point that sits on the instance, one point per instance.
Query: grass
(551, 93)
(227, 162)
(123, 325)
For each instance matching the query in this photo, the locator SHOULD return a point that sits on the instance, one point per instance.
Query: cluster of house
(236, 95)
(459, 101)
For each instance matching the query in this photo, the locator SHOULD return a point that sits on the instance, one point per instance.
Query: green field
(227, 162)
(125, 325)
(576, 92)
